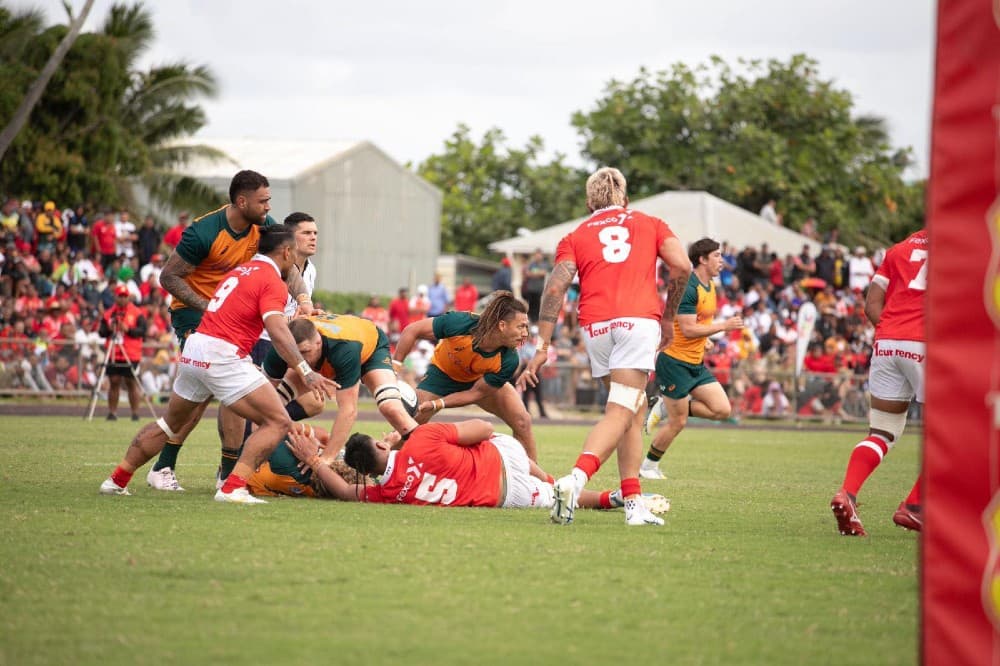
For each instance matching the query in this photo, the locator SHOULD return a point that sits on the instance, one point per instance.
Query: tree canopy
(491, 190)
(102, 124)
(777, 130)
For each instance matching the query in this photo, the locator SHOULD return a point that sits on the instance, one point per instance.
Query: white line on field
(105, 464)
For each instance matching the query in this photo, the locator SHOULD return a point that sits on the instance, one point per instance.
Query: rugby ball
(408, 396)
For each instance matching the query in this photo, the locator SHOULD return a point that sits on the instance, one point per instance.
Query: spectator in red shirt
(376, 313)
(105, 239)
(399, 308)
(817, 360)
(466, 296)
(174, 233)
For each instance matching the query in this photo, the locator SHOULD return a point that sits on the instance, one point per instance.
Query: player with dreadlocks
(473, 363)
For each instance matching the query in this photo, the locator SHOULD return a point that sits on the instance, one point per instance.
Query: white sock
(579, 477)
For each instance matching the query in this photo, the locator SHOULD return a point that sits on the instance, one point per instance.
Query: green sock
(228, 461)
(168, 456)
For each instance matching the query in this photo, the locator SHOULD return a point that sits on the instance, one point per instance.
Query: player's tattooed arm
(172, 279)
(675, 290)
(555, 291)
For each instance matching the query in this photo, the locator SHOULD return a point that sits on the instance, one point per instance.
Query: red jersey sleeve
(274, 295)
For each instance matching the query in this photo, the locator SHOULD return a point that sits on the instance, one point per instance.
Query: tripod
(115, 344)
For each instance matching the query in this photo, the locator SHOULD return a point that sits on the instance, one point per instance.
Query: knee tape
(386, 392)
(887, 422)
(162, 423)
(629, 397)
(286, 391)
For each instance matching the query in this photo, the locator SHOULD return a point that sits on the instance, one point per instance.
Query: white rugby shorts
(524, 491)
(211, 367)
(626, 343)
(897, 370)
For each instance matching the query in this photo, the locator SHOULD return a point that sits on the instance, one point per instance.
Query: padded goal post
(960, 572)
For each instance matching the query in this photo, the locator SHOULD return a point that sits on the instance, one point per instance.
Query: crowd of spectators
(757, 365)
(59, 270)
(58, 273)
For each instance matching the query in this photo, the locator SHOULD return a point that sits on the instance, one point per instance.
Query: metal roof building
(379, 223)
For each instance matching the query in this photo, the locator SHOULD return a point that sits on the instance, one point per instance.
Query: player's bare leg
(231, 427)
(707, 401)
(148, 442)
(626, 400)
(392, 410)
(866, 456)
(263, 407)
(508, 406)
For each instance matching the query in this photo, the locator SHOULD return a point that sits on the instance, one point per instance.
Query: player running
(895, 305)
(688, 387)
(216, 362)
(624, 323)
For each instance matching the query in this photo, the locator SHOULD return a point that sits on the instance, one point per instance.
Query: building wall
(379, 225)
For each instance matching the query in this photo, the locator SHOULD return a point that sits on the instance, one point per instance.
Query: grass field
(749, 568)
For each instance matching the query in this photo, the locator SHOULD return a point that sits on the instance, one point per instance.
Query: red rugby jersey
(615, 252)
(432, 468)
(903, 275)
(248, 292)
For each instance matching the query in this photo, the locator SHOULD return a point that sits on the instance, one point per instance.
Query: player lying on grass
(460, 464)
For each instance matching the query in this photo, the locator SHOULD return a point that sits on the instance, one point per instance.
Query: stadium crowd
(59, 270)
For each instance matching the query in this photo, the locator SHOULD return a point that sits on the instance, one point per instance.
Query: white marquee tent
(691, 215)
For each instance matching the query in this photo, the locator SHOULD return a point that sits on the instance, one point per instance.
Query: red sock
(631, 487)
(914, 496)
(865, 457)
(588, 463)
(233, 482)
(121, 477)
(605, 499)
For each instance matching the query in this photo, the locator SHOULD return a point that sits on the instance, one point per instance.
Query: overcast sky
(404, 75)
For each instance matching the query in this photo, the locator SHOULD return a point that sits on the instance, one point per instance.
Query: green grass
(749, 568)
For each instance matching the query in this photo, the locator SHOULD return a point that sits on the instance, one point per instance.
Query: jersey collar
(607, 208)
(389, 464)
(267, 260)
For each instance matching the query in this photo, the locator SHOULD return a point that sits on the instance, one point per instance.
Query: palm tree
(157, 114)
(18, 27)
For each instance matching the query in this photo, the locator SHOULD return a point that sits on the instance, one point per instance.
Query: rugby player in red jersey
(623, 322)
(444, 464)
(216, 362)
(895, 304)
